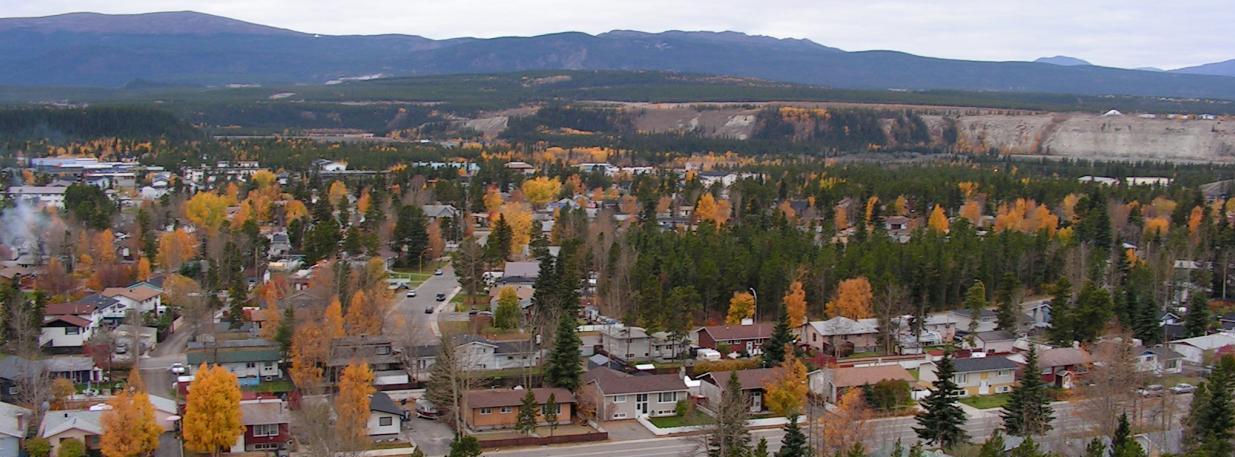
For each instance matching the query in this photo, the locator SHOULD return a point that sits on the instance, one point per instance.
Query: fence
(545, 440)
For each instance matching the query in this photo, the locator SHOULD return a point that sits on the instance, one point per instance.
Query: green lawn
(986, 401)
(272, 387)
(695, 418)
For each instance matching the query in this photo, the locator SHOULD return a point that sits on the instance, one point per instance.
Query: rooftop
(511, 397)
(613, 382)
(973, 364)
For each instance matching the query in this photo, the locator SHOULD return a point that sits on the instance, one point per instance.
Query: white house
(385, 416)
(66, 331)
(252, 360)
(1194, 349)
(14, 420)
(480, 354)
(142, 299)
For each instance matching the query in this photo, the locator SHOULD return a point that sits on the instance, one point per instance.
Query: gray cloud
(1122, 33)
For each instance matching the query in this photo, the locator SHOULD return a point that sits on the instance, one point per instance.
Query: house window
(266, 430)
(619, 399)
(1003, 389)
(265, 446)
(486, 411)
(961, 378)
(268, 364)
(385, 421)
(72, 330)
(554, 408)
(1004, 372)
(383, 350)
(668, 397)
(619, 415)
(250, 365)
(505, 410)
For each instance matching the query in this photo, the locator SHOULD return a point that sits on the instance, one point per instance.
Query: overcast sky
(1121, 33)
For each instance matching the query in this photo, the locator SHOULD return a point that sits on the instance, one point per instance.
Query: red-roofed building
(752, 381)
(748, 337)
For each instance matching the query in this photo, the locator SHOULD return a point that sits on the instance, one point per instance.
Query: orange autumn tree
(853, 299)
(709, 209)
(971, 210)
(795, 304)
(847, 423)
(129, 427)
(351, 405)
(337, 193)
(785, 392)
(176, 248)
(362, 318)
(143, 269)
(741, 306)
(212, 420)
(332, 321)
(938, 221)
(519, 217)
(310, 348)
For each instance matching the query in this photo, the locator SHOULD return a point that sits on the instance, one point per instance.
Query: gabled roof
(263, 412)
(9, 422)
(858, 376)
(1059, 357)
(521, 270)
(57, 422)
(995, 335)
(613, 382)
(511, 397)
(1162, 352)
(973, 364)
(68, 319)
(132, 293)
(750, 379)
(739, 332)
(84, 305)
(381, 402)
(845, 326)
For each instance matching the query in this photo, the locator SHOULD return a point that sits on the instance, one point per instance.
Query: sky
(1118, 33)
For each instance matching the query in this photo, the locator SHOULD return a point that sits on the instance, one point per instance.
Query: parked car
(1183, 388)
(441, 296)
(437, 272)
(426, 410)
(122, 348)
(428, 310)
(411, 293)
(178, 368)
(1152, 390)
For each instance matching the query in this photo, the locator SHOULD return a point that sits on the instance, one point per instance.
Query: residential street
(413, 308)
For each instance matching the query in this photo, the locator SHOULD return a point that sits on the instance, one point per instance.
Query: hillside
(192, 48)
(1224, 68)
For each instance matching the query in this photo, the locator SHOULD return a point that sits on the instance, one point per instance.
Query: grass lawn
(479, 301)
(391, 445)
(272, 387)
(986, 401)
(695, 418)
(452, 327)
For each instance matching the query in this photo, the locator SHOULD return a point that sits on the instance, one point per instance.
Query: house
(142, 299)
(522, 291)
(498, 409)
(995, 341)
(65, 331)
(329, 166)
(618, 395)
(480, 354)
(978, 375)
(831, 383)
(266, 425)
(166, 412)
(252, 360)
(521, 167)
(752, 381)
(38, 195)
(1062, 367)
(14, 373)
(78, 368)
(435, 212)
(986, 320)
(385, 416)
(747, 337)
(1036, 313)
(519, 273)
(378, 351)
(1159, 359)
(14, 421)
(1195, 349)
(83, 425)
(634, 343)
(840, 336)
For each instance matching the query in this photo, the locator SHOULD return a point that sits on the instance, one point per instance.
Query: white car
(411, 293)
(178, 368)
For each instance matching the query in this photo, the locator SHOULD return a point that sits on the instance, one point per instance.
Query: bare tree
(1112, 384)
(314, 427)
(890, 303)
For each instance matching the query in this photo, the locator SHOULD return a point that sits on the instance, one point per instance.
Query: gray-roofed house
(1158, 359)
(752, 382)
(14, 421)
(480, 354)
(385, 416)
(252, 360)
(83, 425)
(515, 273)
(380, 352)
(617, 395)
(978, 375)
(440, 211)
(994, 341)
(840, 336)
(267, 426)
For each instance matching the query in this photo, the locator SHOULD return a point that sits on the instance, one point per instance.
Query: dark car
(441, 297)
(428, 310)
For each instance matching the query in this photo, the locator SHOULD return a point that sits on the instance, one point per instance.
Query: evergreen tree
(942, 420)
(975, 303)
(563, 369)
(497, 246)
(1061, 312)
(728, 436)
(1210, 425)
(774, 347)
(1145, 320)
(898, 449)
(1006, 312)
(761, 449)
(1028, 410)
(1091, 312)
(465, 446)
(1028, 448)
(411, 235)
(1122, 443)
(1095, 448)
(794, 443)
(525, 421)
(993, 446)
(917, 450)
(1196, 322)
(857, 450)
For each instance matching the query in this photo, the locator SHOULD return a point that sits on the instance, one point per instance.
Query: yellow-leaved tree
(212, 419)
(785, 393)
(541, 190)
(337, 193)
(143, 269)
(938, 221)
(351, 405)
(795, 304)
(846, 424)
(853, 299)
(129, 428)
(310, 348)
(333, 319)
(176, 248)
(362, 318)
(207, 210)
(519, 217)
(741, 306)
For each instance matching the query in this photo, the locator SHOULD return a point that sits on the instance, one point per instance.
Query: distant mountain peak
(1063, 60)
(160, 23)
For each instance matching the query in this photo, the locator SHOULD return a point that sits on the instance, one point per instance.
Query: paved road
(413, 308)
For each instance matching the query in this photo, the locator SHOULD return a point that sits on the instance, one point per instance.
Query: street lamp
(756, 296)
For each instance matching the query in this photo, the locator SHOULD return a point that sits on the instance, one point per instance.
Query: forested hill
(187, 47)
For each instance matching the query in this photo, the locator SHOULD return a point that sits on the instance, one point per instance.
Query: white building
(385, 416)
(38, 195)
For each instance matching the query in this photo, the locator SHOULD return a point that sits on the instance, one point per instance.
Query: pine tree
(563, 368)
(1145, 320)
(1122, 443)
(1006, 312)
(1095, 448)
(975, 303)
(916, 450)
(941, 421)
(794, 443)
(857, 450)
(550, 412)
(993, 446)
(774, 347)
(1061, 312)
(1210, 425)
(729, 436)
(898, 449)
(1196, 322)
(1028, 411)
(525, 422)
(465, 446)
(1027, 448)
(761, 449)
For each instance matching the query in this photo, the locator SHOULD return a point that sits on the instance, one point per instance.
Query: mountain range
(90, 49)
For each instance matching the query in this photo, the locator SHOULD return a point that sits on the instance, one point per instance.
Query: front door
(756, 401)
(984, 388)
(641, 404)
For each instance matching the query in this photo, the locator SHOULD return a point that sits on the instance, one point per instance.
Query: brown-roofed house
(618, 395)
(497, 409)
(832, 383)
(142, 299)
(752, 382)
(737, 337)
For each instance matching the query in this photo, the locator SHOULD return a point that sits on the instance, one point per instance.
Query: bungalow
(266, 426)
(978, 375)
(65, 331)
(480, 354)
(986, 320)
(522, 291)
(378, 351)
(252, 360)
(14, 373)
(78, 368)
(521, 167)
(498, 409)
(752, 381)
(14, 421)
(142, 299)
(385, 416)
(995, 341)
(434, 212)
(1159, 359)
(519, 273)
(840, 336)
(1195, 349)
(832, 383)
(1060, 367)
(82, 425)
(748, 337)
(618, 395)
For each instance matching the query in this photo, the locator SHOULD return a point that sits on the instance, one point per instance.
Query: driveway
(432, 437)
(626, 430)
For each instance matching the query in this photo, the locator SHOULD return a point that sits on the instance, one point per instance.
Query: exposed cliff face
(1078, 135)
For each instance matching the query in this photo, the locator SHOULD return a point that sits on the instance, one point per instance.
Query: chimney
(748, 321)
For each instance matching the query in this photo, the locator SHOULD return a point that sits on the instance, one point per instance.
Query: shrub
(38, 447)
